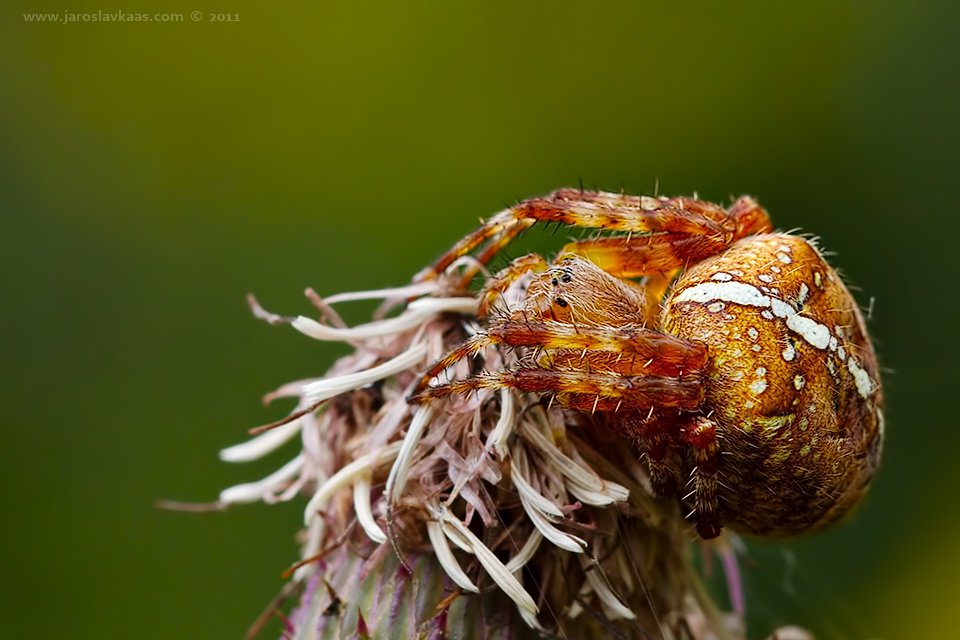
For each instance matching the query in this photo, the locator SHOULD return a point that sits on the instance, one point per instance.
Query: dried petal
(255, 491)
(497, 441)
(347, 476)
(361, 502)
(263, 444)
(611, 603)
(497, 570)
(445, 555)
(397, 479)
(417, 312)
(526, 552)
(327, 388)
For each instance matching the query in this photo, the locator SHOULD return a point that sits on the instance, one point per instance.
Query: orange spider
(750, 382)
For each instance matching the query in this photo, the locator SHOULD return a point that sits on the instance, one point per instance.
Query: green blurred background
(152, 174)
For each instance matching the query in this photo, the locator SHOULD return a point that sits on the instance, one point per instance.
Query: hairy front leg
(583, 391)
(641, 351)
(596, 210)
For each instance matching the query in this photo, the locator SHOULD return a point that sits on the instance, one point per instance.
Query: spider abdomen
(791, 381)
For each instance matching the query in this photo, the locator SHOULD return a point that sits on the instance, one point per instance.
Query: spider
(734, 357)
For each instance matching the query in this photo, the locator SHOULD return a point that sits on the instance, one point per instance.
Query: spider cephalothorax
(738, 362)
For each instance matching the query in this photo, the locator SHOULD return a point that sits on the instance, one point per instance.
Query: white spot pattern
(789, 353)
(861, 378)
(780, 308)
(736, 292)
(810, 330)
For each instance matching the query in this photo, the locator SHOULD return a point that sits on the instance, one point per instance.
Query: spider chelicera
(733, 356)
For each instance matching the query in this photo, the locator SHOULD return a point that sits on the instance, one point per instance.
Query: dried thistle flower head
(445, 510)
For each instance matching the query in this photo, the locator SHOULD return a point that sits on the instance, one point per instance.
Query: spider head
(575, 290)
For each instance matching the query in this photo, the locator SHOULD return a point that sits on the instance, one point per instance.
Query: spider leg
(662, 439)
(661, 253)
(497, 224)
(502, 281)
(658, 437)
(598, 210)
(663, 476)
(748, 218)
(701, 434)
(626, 202)
(640, 351)
(621, 213)
(581, 390)
(496, 245)
(471, 346)
(655, 287)
(744, 218)
(621, 351)
(634, 256)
